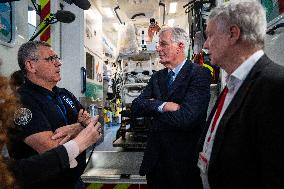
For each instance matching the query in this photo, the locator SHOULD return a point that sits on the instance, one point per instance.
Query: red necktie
(218, 111)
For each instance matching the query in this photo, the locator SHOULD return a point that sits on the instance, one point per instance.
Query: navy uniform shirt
(49, 111)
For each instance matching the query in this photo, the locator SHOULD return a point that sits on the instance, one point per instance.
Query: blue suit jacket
(173, 136)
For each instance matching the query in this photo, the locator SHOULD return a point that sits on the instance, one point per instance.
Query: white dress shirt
(234, 81)
(72, 149)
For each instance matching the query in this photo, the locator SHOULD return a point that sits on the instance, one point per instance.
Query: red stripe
(134, 186)
(46, 35)
(281, 6)
(45, 10)
(108, 186)
(143, 186)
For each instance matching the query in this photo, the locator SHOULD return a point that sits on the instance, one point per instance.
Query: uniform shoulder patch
(22, 116)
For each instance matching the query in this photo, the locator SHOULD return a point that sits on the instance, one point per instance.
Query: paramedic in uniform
(53, 115)
(25, 173)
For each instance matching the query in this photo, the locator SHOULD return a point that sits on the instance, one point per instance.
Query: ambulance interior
(108, 52)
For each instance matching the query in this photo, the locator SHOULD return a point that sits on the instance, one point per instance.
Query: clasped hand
(69, 132)
(84, 117)
(171, 107)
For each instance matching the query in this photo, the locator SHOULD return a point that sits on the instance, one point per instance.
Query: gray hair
(178, 35)
(29, 51)
(248, 15)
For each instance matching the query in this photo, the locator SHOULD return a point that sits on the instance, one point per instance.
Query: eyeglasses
(53, 59)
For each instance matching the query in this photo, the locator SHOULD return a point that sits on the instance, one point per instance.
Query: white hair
(178, 35)
(248, 15)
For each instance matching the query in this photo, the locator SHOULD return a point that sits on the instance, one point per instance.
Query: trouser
(79, 184)
(167, 177)
(156, 180)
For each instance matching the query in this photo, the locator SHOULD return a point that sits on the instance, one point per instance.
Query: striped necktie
(170, 78)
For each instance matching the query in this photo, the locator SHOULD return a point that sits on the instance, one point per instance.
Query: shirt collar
(243, 70)
(178, 68)
(41, 89)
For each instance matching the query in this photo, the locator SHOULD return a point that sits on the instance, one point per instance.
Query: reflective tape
(45, 13)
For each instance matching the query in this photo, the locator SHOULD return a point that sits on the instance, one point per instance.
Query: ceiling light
(173, 7)
(136, 2)
(171, 22)
(108, 12)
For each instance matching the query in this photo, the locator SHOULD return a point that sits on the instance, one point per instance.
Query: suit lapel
(233, 107)
(184, 72)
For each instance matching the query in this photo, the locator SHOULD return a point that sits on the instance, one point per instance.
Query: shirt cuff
(72, 149)
(160, 108)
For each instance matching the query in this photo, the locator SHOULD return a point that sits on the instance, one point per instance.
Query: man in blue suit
(177, 98)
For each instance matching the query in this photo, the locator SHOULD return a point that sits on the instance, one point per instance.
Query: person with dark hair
(50, 116)
(153, 29)
(25, 173)
(243, 143)
(17, 79)
(177, 99)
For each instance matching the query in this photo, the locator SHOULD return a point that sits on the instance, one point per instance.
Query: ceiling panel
(151, 9)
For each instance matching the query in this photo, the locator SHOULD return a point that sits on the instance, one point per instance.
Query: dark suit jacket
(248, 150)
(173, 136)
(40, 168)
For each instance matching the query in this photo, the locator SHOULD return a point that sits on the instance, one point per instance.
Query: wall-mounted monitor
(7, 24)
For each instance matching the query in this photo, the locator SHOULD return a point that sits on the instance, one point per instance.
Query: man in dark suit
(243, 143)
(177, 98)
